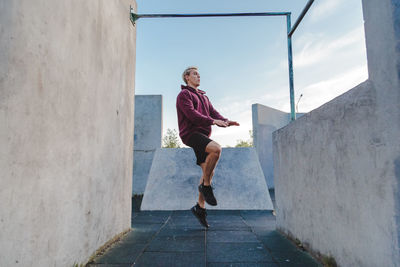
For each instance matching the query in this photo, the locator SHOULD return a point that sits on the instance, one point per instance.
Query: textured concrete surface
(175, 238)
(66, 127)
(148, 122)
(141, 169)
(147, 138)
(337, 168)
(238, 181)
(266, 120)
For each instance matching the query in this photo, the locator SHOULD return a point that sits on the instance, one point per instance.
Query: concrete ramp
(238, 182)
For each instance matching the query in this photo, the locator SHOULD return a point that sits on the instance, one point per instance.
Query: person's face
(193, 79)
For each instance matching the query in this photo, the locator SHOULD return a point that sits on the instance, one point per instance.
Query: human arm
(215, 114)
(233, 123)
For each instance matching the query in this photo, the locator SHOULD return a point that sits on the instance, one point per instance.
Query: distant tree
(171, 139)
(245, 143)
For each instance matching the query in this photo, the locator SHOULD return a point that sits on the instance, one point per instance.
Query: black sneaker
(200, 214)
(208, 194)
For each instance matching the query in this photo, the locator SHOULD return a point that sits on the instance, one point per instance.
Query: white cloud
(317, 94)
(317, 49)
(324, 8)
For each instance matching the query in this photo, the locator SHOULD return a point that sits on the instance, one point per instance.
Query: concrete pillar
(382, 33)
(147, 138)
(66, 125)
(266, 120)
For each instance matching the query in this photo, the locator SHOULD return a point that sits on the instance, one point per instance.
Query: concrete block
(174, 176)
(266, 120)
(148, 122)
(147, 138)
(141, 169)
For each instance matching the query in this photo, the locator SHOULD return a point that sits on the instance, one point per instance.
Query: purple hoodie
(195, 113)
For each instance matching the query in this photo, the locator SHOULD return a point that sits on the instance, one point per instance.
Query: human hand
(221, 123)
(233, 123)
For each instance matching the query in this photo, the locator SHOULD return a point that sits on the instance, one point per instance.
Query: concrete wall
(66, 127)
(174, 176)
(266, 120)
(337, 169)
(148, 134)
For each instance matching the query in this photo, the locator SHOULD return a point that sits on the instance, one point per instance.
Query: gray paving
(175, 238)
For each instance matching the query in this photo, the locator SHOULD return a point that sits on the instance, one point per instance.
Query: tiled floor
(175, 238)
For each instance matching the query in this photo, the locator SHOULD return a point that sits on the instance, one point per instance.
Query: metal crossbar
(263, 14)
(290, 30)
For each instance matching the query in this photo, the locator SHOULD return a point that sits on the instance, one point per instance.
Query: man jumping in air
(195, 117)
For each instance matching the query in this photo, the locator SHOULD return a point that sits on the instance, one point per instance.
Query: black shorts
(198, 142)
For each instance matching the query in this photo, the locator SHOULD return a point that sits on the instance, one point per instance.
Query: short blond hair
(187, 72)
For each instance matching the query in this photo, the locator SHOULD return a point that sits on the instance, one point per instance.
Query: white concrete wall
(266, 120)
(66, 127)
(147, 138)
(337, 169)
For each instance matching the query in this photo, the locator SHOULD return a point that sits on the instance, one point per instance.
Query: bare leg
(214, 152)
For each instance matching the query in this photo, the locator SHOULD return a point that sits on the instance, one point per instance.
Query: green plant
(171, 139)
(329, 261)
(245, 143)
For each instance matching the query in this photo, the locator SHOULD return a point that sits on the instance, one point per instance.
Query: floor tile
(177, 245)
(223, 212)
(228, 226)
(246, 213)
(260, 221)
(274, 241)
(193, 238)
(181, 232)
(121, 253)
(137, 236)
(237, 252)
(225, 218)
(146, 227)
(108, 265)
(294, 258)
(163, 259)
(231, 236)
(176, 213)
(242, 264)
(151, 217)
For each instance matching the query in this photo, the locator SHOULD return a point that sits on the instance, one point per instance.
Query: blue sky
(243, 60)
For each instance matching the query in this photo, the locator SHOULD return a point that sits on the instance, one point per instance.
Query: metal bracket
(133, 16)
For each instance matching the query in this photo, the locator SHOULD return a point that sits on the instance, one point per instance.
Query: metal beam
(135, 16)
(263, 14)
(290, 62)
(300, 18)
